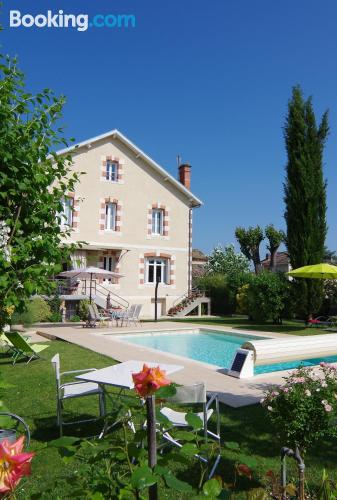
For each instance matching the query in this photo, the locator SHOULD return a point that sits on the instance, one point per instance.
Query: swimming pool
(211, 347)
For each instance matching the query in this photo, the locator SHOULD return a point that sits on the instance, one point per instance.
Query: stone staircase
(188, 303)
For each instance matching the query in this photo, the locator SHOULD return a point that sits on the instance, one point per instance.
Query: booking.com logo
(61, 20)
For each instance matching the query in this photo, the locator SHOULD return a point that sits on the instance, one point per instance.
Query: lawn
(241, 323)
(32, 396)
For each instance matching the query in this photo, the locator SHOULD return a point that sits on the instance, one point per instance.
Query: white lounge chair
(72, 390)
(193, 395)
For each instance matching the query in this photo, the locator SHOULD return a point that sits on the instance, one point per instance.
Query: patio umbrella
(90, 272)
(318, 271)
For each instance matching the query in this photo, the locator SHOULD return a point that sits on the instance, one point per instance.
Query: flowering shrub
(14, 464)
(304, 409)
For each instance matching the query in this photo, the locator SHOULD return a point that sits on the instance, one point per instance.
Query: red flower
(13, 464)
(149, 380)
(244, 470)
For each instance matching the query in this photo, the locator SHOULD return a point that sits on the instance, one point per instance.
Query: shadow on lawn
(46, 428)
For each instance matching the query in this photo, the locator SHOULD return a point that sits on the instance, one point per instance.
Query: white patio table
(120, 375)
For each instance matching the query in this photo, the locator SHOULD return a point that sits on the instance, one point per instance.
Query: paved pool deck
(232, 391)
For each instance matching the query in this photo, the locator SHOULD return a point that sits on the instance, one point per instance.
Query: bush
(37, 310)
(267, 296)
(55, 317)
(242, 299)
(222, 290)
(75, 318)
(304, 409)
(83, 310)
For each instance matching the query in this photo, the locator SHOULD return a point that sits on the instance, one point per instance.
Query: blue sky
(207, 80)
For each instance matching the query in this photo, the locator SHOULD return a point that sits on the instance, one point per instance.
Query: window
(157, 270)
(110, 216)
(157, 221)
(67, 211)
(111, 171)
(108, 263)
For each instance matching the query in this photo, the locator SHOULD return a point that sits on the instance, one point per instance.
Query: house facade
(134, 219)
(282, 262)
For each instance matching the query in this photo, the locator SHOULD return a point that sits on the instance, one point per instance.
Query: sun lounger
(23, 349)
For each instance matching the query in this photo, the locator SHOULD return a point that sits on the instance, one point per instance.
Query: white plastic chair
(194, 395)
(124, 316)
(134, 318)
(76, 389)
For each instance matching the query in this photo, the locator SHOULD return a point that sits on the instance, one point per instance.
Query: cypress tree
(305, 196)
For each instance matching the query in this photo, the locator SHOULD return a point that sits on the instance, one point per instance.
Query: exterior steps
(189, 303)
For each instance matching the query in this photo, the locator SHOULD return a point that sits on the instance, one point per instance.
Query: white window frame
(67, 211)
(111, 171)
(109, 265)
(110, 216)
(157, 263)
(157, 221)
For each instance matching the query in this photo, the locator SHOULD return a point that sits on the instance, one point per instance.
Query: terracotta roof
(199, 255)
(282, 258)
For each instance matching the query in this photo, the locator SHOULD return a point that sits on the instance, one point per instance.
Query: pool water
(290, 365)
(214, 348)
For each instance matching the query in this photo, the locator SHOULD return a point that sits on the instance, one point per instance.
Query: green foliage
(222, 291)
(305, 195)
(303, 411)
(83, 309)
(227, 271)
(36, 310)
(55, 303)
(266, 296)
(242, 299)
(224, 260)
(75, 318)
(117, 466)
(33, 180)
(250, 241)
(327, 489)
(55, 317)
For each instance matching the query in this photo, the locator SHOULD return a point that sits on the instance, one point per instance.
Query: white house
(135, 219)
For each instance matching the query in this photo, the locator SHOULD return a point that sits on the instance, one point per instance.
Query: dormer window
(111, 171)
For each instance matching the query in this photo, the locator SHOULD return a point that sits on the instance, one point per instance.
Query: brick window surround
(158, 206)
(76, 211)
(103, 202)
(152, 255)
(100, 264)
(114, 159)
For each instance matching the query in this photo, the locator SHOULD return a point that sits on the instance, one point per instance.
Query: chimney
(185, 175)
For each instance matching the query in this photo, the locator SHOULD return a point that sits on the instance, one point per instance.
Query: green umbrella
(319, 271)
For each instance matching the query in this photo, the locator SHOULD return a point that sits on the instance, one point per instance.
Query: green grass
(33, 397)
(288, 327)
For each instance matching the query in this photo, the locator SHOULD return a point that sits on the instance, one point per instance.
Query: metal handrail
(113, 296)
(65, 287)
(187, 295)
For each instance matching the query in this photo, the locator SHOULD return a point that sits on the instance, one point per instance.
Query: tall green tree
(250, 241)
(275, 238)
(305, 195)
(33, 180)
